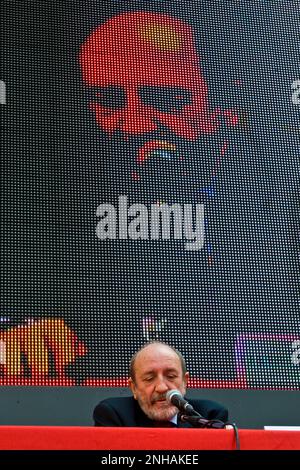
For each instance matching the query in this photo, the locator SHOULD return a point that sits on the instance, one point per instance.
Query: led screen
(150, 186)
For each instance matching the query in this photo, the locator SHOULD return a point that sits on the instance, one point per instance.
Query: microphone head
(173, 393)
(175, 398)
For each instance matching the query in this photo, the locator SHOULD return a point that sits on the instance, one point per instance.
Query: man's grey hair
(133, 359)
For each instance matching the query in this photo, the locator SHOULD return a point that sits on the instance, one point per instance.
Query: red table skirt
(91, 438)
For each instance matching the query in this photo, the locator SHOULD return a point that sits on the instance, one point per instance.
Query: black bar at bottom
(135, 459)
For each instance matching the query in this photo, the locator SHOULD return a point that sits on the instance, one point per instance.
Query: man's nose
(161, 386)
(137, 118)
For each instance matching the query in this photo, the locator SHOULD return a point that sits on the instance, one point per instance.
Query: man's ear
(131, 385)
(186, 378)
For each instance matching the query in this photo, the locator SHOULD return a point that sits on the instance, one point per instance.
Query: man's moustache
(159, 398)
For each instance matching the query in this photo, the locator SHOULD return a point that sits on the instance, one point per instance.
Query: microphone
(189, 415)
(175, 398)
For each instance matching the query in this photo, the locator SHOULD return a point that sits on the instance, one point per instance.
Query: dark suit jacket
(125, 411)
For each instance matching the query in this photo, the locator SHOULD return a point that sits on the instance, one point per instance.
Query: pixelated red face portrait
(145, 73)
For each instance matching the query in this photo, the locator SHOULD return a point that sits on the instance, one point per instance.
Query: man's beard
(164, 414)
(183, 173)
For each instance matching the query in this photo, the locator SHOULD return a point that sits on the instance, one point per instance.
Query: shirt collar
(174, 419)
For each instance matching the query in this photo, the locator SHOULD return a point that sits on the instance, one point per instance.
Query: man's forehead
(163, 44)
(157, 355)
(128, 71)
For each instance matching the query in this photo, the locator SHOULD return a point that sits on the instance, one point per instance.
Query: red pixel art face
(149, 64)
(145, 73)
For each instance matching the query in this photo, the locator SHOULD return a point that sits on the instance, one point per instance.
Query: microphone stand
(197, 421)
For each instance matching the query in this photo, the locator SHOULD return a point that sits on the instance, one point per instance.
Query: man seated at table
(154, 370)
